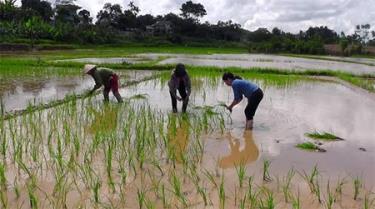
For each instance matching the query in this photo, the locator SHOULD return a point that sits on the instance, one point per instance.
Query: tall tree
(66, 12)
(363, 31)
(40, 8)
(8, 10)
(192, 10)
(109, 15)
(84, 17)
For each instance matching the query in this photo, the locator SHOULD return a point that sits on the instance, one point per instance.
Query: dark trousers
(185, 98)
(253, 103)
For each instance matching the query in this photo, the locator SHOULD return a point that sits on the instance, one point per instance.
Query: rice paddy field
(312, 146)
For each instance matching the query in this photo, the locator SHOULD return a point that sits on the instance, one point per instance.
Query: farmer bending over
(250, 90)
(179, 81)
(105, 77)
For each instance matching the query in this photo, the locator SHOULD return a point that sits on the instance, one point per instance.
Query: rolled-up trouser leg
(174, 102)
(253, 103)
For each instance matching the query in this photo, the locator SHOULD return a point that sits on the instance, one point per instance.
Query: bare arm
(234, 103)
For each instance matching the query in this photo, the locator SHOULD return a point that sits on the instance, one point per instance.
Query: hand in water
(230, 109)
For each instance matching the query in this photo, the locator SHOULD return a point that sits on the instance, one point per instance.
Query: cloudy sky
(289, 15)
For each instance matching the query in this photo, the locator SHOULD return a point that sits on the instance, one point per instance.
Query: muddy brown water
(283, 118)
(18, 93)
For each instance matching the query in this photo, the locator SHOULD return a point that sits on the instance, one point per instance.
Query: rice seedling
(95, 189)
(210, 177)
(296, 201)
(139, 96)
(331, 199)
(368, 202)
(269, 202)
(176, 184)
(317, 191)
(311, 178)
(141, 197)
(240, 170)
(203, 194)
(243, 202)
(286, 186)
(310, 147)
(266, 173)
(339, 187)
(357, 184)
(222, 194)
(324, 136)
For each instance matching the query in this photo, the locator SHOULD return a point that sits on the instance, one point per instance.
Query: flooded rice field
(87, 154)
(19, 92)
(358, 66)
(285, 115)
(268, 61)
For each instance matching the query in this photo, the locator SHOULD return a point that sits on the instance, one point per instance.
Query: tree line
(66, 22)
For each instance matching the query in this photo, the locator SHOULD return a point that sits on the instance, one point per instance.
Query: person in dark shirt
(179, 81)
(244, 88)
(104, 77)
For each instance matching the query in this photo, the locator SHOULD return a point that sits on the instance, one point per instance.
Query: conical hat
(87, 68)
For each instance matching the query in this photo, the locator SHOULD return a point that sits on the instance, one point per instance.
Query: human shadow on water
(178, 136)
(239, 156)
(104, 120)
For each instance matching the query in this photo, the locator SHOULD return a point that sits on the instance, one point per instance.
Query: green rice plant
(296, 201)
(16, 189)
(325, 136)
(269, 202)
(357, 184)
(331, 199)
(286, 185)
(317, 190)
(108, 156)
(243, 202)
(31, 192)
(95, 189)
(311, 178)
(309, 146)
(202, 193)
(176, 184)
(222, 194)
(266, 173)
(240, 170)
(339, 186)
(141, 197)
(368, 202)
(3, 180)
(210, 177)
(139, 96)
(163, 196)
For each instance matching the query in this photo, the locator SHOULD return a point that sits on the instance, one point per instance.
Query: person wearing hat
(179, 81)
(104, 77)
(244, 88)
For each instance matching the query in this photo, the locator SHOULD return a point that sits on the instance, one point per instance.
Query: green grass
(309, 146)
(325, 136)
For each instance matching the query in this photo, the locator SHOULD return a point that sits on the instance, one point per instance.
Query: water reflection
(105, 120)
(178, 136)
(238, 155)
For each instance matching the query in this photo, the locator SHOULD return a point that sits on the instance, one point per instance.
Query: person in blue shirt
(244, 88)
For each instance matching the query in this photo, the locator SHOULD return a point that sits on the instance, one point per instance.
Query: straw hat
(87, 68)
